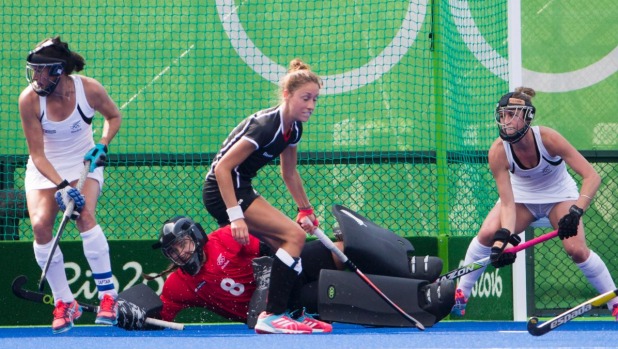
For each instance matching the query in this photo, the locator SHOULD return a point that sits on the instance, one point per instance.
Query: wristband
(576, 210)
(235, 213)
(306, 210)
(62, 184)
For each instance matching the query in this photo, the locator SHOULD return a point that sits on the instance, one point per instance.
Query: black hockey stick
(331, 246)
(65, 219)
(538, 330)
(468, 268)
(40, 297)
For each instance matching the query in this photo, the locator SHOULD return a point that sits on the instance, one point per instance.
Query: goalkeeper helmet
(510, 109)
(182, 241)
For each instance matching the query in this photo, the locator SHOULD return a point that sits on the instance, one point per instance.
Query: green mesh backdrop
(400, 130)
(402, 125)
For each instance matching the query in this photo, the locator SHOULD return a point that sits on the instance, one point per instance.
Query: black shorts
(211, 197)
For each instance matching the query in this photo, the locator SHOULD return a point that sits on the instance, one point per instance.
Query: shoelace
(60, 310)
(107, 304)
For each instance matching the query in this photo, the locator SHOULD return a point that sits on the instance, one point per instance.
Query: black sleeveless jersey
(264, 130)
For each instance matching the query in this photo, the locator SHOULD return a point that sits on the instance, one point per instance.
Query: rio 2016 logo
(88, 289)
(489, 284)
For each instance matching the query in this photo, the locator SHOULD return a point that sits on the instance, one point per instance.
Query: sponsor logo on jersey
(267, 155)
(222, 261)
(76, 127)
(50, 132)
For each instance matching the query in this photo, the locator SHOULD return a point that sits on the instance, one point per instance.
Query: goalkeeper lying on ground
(217, 273)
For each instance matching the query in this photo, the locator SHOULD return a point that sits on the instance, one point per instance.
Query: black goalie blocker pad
(343, 297)
(376, 250)
(135, 305)
(373, 249)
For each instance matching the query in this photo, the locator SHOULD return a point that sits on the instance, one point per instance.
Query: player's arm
(499, 165)
(294, 183)
(99, 99)
(33, 131)
(556, 144)
(238, 153)
(174, 289)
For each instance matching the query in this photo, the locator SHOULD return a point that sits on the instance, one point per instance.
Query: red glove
(307, 212)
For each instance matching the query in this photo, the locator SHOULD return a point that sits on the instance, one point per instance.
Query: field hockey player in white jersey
(528, 164)
(57, 109)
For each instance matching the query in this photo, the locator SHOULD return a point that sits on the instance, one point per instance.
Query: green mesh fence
(403, 122)
(395, 127)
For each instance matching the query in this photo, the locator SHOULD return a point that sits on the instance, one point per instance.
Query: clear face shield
(44, 77)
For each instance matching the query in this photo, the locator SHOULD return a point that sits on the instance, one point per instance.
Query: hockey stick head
(534, 329)
(18, 290)
(18, 284)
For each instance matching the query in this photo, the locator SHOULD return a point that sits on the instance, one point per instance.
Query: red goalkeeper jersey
(224, 284)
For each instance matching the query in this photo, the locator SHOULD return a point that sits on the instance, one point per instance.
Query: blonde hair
(526, 93)
(299, 74)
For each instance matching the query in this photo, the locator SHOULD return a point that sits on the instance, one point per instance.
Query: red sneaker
(459, 309)
(108, 311)
(279, 323)
(64, 315)
(615, 311)
(316, 325)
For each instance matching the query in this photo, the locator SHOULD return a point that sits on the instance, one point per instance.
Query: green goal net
(399, 134)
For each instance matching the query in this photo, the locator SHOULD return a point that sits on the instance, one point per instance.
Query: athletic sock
(56, 276)
(476, 251)
(96, 250)
(595, 270)
(283, 275)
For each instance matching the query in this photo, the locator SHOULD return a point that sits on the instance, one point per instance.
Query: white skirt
(35, 180)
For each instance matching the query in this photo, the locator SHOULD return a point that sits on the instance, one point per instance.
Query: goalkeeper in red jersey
(231, 279)
(221, 278)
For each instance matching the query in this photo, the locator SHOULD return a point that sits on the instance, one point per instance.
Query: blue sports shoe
(459, 309)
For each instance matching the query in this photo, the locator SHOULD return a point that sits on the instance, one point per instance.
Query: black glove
(567, 226)
(506, 258)
(502, 237)
(130, 316)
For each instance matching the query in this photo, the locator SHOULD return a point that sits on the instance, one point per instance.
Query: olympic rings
(542, 82)
(399, 46)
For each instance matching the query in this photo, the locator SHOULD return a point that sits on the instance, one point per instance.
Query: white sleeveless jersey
(548, 182)
(65, 142)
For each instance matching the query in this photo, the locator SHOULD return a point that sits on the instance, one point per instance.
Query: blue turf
(456, 334)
